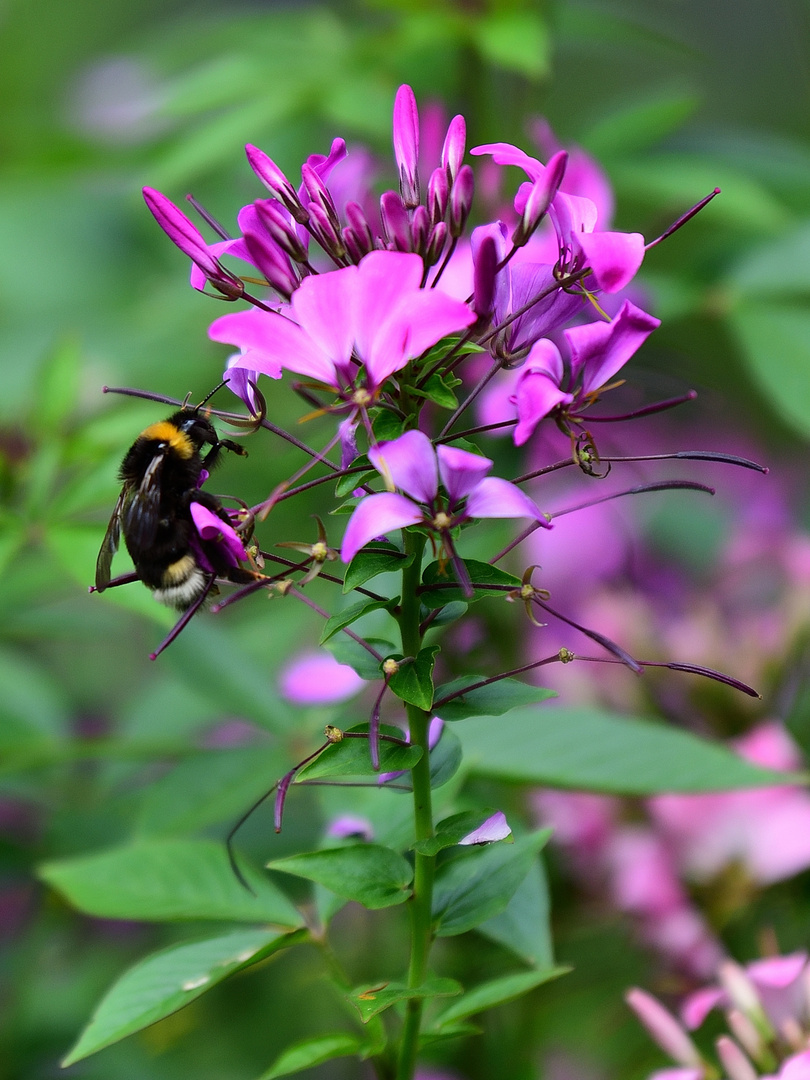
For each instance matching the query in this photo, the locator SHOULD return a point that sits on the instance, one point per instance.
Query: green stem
(421, 901)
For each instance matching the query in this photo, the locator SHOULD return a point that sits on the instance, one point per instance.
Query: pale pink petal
(375, 516)
(322, 306)
(383, 278)
(663, 1027)
(536, 394)
(316, 678)
(494, 828)
(351, 825)
(614, 257)
(418, 320)
(697, 1006)
(272, 341)
(573, 216)
(461, 471)
(409, 463)
(796, 1067)
(497, 498)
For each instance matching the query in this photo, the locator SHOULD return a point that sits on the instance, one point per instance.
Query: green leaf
(375, 558)
(387, 426)
(453, 829)
(348, 651)
(523, 926)
(761, 273)
(352, 757)
(59, 383)
(775, 341)
(640, 125)
(445, 760)
(479, 884)
(494, 699)
(413, 682)
(370, 1001)
(513, 39)
(597, 751)
(314, 1051)
(352, 613)
(168, 980)
(373, 875)
(439, 389)
(496, 992)
(167, 879)
(446, 592)
(347, 484)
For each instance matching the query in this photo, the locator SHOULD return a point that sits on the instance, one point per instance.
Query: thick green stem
(421, 901)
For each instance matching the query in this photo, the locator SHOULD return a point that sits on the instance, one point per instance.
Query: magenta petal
(375, 516)
(535, 396)
(409, 463)
(614, 257)
(796, 1067)
(384, 278)
(213, 528)
(494, 828)
(697, 1005)
(406, 142)
(573, 216)
(271, 340)
(507, 154)
(180, 230)
(497, 498)
(316, 678)
(461, 471)
(419, 320)
(599, 349)
(322, 306)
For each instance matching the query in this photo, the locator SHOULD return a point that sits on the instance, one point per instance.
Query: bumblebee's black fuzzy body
(160, 475)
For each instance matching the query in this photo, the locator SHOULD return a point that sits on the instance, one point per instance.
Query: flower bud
(436, 243)
(280, 230)
(461, 197)
(455, 142)
(484, 273)
(272, 262)
(275, 181)
(540, 197)
(438, 195)
(395, 221)
(406, 145)
(736, 1064)
(663, 1027)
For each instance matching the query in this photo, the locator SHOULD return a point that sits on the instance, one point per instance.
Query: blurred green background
(674, 97)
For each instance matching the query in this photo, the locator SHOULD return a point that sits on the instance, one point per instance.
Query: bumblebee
(161, 475)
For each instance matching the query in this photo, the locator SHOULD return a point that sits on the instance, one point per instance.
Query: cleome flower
(411, 464)
(349, 329)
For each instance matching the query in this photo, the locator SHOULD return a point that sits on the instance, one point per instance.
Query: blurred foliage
(98, 746)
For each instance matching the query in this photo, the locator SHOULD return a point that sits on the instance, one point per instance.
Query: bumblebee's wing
(141, 514)
(109, 544)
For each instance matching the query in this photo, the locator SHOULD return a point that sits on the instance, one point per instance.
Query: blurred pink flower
(318, 679)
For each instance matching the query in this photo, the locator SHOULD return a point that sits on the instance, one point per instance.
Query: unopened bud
(461, 198)
(280, 229)
(745, 1032)
(736, 1064)
(420, 228)
(390, 667)
(743, 994)
(326, 231)
(438, 195)
(395, 221)
(484, 273)
(663, 1027)
(540, 197)
(275, 181)
(273, 264)
(406, 145)
(436, 243)
(455, 142)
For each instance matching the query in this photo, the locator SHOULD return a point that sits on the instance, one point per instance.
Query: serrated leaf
(375, 558)
(413, 682)
(478, 884)
(314, 1051)
(445, 591)
(371, 1001)
(496, 992)
(493, 699)
(168, 980)
(159, 880)
(592, 750)
(453, 829)
(352, 613)
(352, 757)
(371, 874)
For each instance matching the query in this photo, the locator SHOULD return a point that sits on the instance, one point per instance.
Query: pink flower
(598, 351)
(612, 257)
(411, 464)
(221, 545)
(371, 318)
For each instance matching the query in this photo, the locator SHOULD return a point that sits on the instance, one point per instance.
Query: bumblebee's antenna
(209, 396)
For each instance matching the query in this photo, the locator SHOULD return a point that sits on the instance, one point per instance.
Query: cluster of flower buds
(767, 1008)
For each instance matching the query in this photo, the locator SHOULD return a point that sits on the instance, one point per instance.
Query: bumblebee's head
(195, 427)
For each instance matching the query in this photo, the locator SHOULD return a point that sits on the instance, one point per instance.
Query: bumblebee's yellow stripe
(168, 433)
(178, 572)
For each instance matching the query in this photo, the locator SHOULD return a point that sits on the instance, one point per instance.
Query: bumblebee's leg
(122, 579)
(222, 444)
(185, 617)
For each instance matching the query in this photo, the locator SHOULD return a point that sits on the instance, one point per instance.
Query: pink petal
(796, 1067)
(461, 471)
(213, 528)
(418, 320)
(697, 1006)
(614, 257)
(375, 516)
(408, 462)
(272, 342)
(507, 154)
(573, 216)
(316, 678)
(496, 498)
(383, 277)
(322, 307)
(600, 349)
(536, 395)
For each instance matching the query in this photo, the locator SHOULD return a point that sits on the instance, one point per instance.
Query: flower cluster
(767, 1009)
